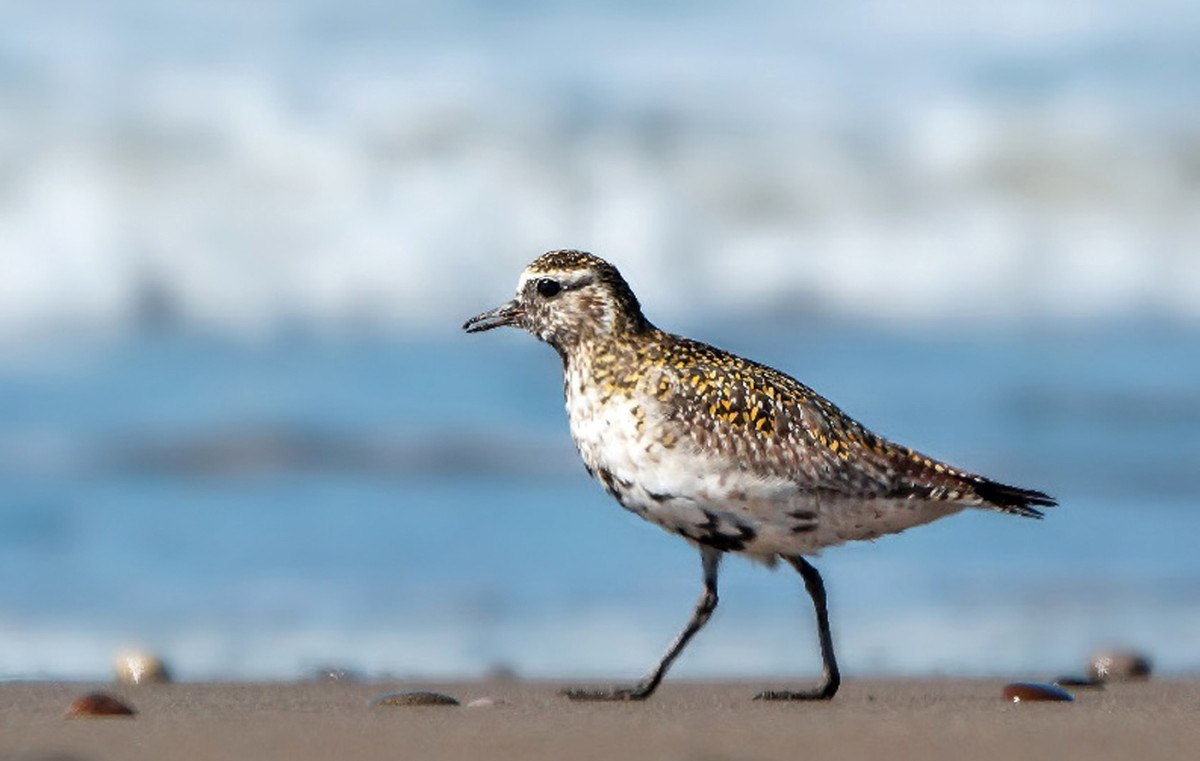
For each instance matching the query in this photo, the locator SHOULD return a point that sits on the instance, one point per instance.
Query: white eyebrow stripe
(565, 279)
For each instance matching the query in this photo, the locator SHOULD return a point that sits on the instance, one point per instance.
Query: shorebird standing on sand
(729, 454)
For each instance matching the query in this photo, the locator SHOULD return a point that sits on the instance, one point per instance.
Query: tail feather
(1013, 499)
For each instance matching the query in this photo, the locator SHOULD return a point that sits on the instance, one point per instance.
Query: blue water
(222, 226)
(329, 162)
(255, 509)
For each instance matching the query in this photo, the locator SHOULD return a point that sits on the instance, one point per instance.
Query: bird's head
(566, 298)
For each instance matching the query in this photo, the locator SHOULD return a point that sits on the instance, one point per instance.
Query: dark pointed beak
(508, 314)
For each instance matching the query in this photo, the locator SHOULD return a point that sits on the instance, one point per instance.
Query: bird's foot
(821, 693)
(637, 692)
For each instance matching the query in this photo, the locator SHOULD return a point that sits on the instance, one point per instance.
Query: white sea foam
(398, 164)
(606, 644)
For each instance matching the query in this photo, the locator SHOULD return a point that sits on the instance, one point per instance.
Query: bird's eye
(548, 288)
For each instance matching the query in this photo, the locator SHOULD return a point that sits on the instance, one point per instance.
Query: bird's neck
(603, 356)
(600, 339)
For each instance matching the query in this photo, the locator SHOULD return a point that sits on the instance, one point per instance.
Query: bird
(730, 454)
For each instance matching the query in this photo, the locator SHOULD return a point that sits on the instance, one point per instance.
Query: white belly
(717, 501)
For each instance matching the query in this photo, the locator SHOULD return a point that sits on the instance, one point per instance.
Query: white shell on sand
(140, 667)
(1118, 666)
(487, 703)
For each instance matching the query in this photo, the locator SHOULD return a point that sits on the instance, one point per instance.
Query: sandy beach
(902, 719)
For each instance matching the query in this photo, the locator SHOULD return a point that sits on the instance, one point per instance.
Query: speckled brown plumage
(771, 423)
(730, 454)
(777, 426)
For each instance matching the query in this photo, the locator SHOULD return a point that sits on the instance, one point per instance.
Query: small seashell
(99, 704)
(1118, 666)
(140, 667)
(1030, 692)
(414, 699)
(487, 703)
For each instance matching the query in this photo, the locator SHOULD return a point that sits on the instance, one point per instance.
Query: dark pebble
(1118, 666)
(99, 704)
(414, 699)
(1028, 692)
(1079, 681)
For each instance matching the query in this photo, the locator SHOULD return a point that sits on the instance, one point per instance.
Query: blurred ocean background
(239, 425)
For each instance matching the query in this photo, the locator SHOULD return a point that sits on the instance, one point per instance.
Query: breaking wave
(331, 166)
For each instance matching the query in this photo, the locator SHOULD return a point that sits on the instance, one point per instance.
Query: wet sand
(924, 719)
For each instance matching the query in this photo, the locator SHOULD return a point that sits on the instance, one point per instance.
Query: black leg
(829, 686)
(704, 609)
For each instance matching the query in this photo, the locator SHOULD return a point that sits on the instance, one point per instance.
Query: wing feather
(767, 423)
